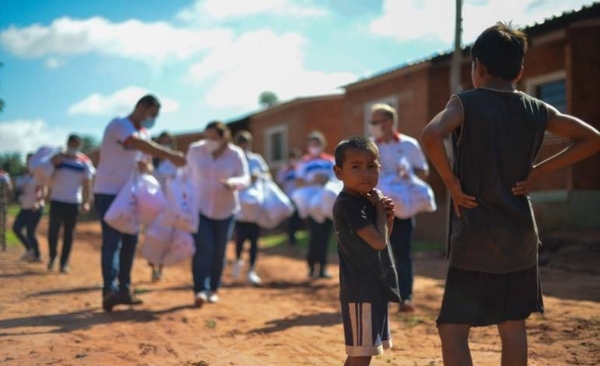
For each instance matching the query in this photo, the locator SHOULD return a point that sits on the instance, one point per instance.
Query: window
(276, 145)
(551, 88)
(390, 100)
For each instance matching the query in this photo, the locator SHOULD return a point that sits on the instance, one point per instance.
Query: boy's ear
(338, 172)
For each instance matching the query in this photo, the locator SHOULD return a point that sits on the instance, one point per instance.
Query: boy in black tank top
(493, 239)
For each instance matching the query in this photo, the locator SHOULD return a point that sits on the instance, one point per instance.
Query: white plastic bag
(410, 195)
(276, 206)
(150, 198)
(156, 241)
(180, 248)
(315, 207)
(328, 196)
(123, 215)
(251, 202)
(302, 199)
(40, 164)
(182, 208)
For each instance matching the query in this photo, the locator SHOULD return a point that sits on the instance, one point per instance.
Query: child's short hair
(354, 143)
(501, 48)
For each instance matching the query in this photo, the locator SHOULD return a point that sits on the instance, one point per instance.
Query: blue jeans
(401, 246)
(118, 251)
(208, 262)
(28, 219)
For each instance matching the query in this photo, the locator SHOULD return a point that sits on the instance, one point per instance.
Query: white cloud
(23, 135)
(406, 20)
(240, 72)
(54, 63)
(148, 42)
(118, 103)
(228, 9)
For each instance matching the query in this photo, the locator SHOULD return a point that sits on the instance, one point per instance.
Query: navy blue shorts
(480, 299)
(366, 328)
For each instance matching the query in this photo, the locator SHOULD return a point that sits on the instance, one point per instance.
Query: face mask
(72, 151)
(376, 131)
(212, 145)
(149, 122)
(315, 150)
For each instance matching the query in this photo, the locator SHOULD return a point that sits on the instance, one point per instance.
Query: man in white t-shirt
(5, 188)
(126, 145)
(70, 187)
(398, 152)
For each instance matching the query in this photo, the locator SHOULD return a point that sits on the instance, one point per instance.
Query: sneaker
(28, 256)
(236, 269)
(406, 307)
(65, 269)
(35, 259)
(109, 300)
(324, 274)
(51, 265)
(253, 278)
(201, 298)
(213, 297)
(130, 299)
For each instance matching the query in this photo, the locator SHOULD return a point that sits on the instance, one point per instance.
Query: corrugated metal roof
(548, 25)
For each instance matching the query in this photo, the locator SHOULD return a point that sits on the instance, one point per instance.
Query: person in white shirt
(164, 170)
(246, 230)
(286, 178)
(219, 170)
(316, 168)
(126, 146)
(70, 187)
(31, 199)
(399, 152)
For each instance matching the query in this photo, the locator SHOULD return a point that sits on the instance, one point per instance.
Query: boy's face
(360, 171)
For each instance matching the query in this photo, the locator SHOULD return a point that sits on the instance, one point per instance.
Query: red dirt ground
(53, 319)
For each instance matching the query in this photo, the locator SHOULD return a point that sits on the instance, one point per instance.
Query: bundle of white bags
(168, 240)
(317, 202)
(169, 218)
(410, 194)
(40, 164)
(265, 204)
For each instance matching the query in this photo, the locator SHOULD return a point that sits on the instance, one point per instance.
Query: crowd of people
(493, 275)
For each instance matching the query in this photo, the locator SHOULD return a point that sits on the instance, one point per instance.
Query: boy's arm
(433, 136)
(376, 235)
(586, 142)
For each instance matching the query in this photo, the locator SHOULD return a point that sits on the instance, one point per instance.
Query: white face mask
(72, 151)
(212, 145)
(376, 131)
(315, 150)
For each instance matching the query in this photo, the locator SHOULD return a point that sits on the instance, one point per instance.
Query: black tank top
(495, 148)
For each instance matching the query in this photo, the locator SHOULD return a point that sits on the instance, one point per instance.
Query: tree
(89, 143)
(12, 163)
(1, 100)
(268, 99)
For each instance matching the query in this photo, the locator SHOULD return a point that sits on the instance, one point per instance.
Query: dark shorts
(480, 299)
(366, 328)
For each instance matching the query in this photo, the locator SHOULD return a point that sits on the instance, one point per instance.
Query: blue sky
(70, 66)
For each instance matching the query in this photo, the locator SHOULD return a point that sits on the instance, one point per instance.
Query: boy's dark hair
(354, 143)
(148, 100)
(501, 48)
(221, 129)
(74, 138)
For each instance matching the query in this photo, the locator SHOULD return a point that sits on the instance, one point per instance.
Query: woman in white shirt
(31, 199)
(246, 229)
(219, 170)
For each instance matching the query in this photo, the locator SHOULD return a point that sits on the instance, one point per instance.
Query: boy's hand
(459, 198)
(178, 158)
(388, 205)
(374, 196)
(524, 187)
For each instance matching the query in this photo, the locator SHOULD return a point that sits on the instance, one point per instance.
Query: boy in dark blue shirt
(363, 221)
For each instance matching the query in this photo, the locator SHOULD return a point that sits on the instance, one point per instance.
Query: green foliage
(89, 144)
(13, 163)
(268, 99)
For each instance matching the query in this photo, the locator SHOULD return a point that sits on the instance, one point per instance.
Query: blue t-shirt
(366, 274)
